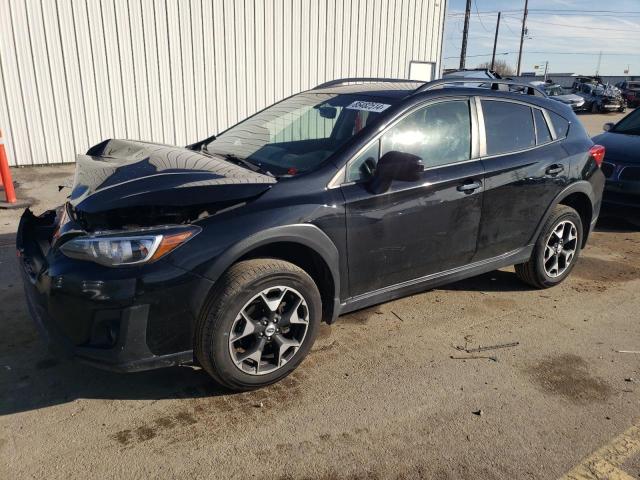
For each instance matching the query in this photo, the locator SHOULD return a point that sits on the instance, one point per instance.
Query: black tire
(594, 108)
(235, 288)
(533, 272)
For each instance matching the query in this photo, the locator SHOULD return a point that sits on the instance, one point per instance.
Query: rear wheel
(556, 250)
(261, 321)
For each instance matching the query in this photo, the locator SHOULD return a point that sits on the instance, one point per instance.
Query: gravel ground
(384, 394)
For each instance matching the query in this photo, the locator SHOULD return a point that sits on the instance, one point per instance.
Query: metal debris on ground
(627, 351)
(489, 347)
(474, 357)
(397, 316)
(478, 412)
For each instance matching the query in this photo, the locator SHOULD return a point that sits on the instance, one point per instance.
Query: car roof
(378, 89)
(404, 89)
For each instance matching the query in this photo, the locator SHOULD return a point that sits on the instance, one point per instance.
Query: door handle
(469, 187)
(554, 170)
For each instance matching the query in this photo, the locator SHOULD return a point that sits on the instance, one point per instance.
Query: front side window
(299, 133)
(439, 133)
(508, 127)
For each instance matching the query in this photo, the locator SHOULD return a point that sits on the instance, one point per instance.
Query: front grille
(608, 169)
(631, 174)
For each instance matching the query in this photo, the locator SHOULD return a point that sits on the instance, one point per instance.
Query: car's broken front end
(100, 273)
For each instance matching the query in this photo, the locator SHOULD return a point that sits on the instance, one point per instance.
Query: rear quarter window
(560, 125)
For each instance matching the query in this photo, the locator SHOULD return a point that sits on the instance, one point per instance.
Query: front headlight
(113, 250)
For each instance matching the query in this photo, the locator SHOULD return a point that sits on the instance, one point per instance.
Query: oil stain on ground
(596, 269)
(215, 411)
(568, 376)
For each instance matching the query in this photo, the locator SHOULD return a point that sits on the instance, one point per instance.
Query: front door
(415, 228)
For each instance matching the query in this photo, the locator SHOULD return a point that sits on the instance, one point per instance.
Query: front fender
(305, 234)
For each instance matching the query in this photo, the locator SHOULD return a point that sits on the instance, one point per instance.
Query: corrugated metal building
(74, 72)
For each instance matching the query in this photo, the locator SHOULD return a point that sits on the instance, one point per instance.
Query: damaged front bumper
(123, 319)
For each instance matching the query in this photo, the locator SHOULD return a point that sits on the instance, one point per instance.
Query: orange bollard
(5, 174)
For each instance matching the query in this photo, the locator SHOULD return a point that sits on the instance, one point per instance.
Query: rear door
(422, 227)
(525, 167)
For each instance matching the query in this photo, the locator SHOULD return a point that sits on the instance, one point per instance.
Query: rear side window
(508, 126)
(543, 135)
(560, 125)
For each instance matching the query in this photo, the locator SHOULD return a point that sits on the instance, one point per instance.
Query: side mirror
(395, 165)
(608, 126)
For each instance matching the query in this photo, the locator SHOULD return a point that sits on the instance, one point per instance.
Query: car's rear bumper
(621, 200)
(125, 319)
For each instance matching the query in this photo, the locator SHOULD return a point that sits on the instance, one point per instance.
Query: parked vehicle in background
(622, 167)
(599, 98)
(231, 252)
(631, 92)
(556, 92)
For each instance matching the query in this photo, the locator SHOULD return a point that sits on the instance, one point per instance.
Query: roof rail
(495, 85)
(344, 81)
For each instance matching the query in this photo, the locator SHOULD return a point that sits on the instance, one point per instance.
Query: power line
(548, 11)
(475, 4)
(543, 22)
(554, 53)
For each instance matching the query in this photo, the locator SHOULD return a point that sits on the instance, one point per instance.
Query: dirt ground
(384, 394)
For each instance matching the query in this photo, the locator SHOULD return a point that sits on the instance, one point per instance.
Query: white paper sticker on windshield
(368, 106)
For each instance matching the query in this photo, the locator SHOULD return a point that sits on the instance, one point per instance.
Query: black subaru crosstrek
(231, 251)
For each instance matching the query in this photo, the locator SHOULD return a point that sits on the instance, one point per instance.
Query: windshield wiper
(241, 161)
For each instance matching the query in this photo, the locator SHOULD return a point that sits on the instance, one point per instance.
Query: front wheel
(556, 250)
(260, 323)
(594, 108)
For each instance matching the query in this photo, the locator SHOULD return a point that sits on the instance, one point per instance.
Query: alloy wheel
(560, 249)
(269, 330)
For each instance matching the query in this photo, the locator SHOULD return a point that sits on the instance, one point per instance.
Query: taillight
(597, 152)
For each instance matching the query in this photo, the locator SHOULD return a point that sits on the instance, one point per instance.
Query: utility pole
(524, 29)
(599, 63)
(495, 42)
(465, 34)
(546, 69)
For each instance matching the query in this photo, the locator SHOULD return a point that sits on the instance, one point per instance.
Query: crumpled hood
(124, 173)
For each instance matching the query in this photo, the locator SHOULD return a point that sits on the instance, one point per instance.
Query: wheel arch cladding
(305, 246)
(581, 203)
(308, 260)
(577, 196)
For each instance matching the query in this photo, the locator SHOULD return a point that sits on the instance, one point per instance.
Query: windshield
(554, 90)
(630, 124)
(299, 133)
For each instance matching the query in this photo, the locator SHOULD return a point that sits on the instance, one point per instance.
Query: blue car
(622, 168)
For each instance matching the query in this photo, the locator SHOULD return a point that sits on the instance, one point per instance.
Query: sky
(569, 34)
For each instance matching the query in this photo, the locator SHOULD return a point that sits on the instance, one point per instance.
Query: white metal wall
(75, 72)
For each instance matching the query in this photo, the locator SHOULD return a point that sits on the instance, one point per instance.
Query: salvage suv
(230, 252)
